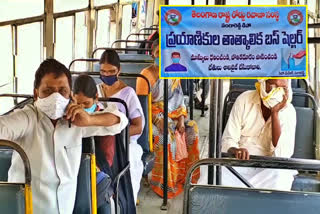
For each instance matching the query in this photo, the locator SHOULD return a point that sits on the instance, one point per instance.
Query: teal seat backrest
(135, 57)
(12, 200)
(304, 139)
(211, 199)
(136, 68)
(5, 163)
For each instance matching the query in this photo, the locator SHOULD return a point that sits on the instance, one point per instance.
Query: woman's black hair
(110, 57)
(86, 85)
(155, 44)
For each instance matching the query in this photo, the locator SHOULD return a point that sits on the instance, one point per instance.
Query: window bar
(74, 37)
(14, 40)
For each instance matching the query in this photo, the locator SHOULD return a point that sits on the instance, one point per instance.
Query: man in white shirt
(51, 132)
(262, 122)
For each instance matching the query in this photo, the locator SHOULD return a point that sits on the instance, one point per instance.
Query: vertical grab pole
(165, 148)
(219, 130)
(213, 127)
(203, 95)
(190, 82)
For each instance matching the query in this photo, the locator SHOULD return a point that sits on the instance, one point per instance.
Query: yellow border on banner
(306, 20)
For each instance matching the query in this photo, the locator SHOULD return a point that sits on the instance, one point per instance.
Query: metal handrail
(120, 49)
(126, 75)
(24, 157)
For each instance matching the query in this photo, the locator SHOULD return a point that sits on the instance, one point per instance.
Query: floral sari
(177, 170)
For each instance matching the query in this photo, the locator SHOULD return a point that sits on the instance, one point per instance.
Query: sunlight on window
(81, 41)
(65, 5)
(200, 2)
(126, 22)
(17, 9)
(264, 2)
(312, 6)
(29, 56)
(6, 64)
(179, 2)
(64, 40)
(103, 29)
(237, 2)
(104, 2)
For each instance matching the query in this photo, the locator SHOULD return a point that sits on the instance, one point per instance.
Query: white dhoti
(260, 178)
(136, 167)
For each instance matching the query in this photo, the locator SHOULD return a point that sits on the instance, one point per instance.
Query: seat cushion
(5, 163)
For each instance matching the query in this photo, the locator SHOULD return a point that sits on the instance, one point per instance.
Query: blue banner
(233, 42)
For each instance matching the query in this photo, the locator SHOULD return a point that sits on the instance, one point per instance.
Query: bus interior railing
(257, 162)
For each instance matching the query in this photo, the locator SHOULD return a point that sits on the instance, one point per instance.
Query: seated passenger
(86, 94)
(262, 122)
(177, 125)
(113, 87)
(52, 144)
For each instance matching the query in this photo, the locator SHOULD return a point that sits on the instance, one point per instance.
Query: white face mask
(274, 97)
(53, 106)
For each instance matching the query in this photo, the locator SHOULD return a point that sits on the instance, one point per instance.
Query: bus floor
(149, 202)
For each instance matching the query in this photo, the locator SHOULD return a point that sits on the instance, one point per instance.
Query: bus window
(63, 5)
(64, 40)
(104, 2)
(29, 55)
(17, 9)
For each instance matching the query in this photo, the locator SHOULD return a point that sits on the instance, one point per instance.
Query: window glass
(312, 6)
(64, 40)
(126, 22)
(17, 9)
(104, 2)
(179, 2)
(29, 55)
(236, 2)
(66, 5)
(200, 2)
(263, 2)
(6, 62)
(103, 29)
(80, 41)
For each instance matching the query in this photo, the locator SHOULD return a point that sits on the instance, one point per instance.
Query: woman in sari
(113, 87)
(177, 126)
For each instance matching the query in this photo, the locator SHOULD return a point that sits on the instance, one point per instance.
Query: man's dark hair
(51, 66)
(110, 57)
(86, 85)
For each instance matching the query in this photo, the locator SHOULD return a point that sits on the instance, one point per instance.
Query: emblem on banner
(173, 17)
(295, 17)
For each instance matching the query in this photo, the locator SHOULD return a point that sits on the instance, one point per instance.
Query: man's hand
(159, 125)
(78, 115)
(240, 153)
(283, 103)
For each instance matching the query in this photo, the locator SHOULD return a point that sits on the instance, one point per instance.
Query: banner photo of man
(233, 42)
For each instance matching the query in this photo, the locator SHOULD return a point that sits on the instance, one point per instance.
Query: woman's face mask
(91, 109)
(156, 61)
(109, 80)
(53, 106)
